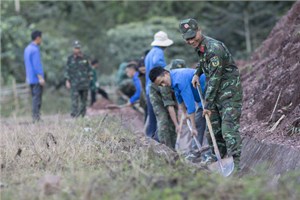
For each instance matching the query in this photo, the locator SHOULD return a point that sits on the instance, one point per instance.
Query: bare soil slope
(275, 69)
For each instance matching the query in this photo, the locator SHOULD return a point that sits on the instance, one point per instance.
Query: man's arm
(189, 101)
(90, 70)
(41, 80)
(159, 60)
(169, 103)
(37, 66)
(67, 75)
(190, 116)
(197, 74)
(213, 84)
(138, 89)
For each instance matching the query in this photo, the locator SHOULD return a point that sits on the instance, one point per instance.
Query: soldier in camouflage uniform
(224, 92)
(125, 86)
(78, 74)
(165, 109)
(94, 85)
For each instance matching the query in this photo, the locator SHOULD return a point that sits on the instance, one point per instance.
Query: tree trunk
(17, 5)
(247, 32)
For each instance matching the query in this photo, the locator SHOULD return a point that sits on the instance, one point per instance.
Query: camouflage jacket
(78, 71)
(161, 98)
(93, 82)
(121, 74)
(223, 78)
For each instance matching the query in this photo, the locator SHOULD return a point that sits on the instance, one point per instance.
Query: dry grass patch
(97, 158)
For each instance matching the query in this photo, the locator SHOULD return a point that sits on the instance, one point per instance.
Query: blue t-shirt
(181, 83)
(33, 64)
(155, 58)
(138, 88)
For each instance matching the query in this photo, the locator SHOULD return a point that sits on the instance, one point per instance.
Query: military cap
(176, 64)
(76, 44)
(188, 28)
(132, 64)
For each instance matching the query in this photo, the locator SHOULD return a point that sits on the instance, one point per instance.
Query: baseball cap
(76, 44)
(188, 28)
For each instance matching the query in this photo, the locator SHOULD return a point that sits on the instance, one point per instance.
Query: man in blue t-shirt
(153, 59)
(35, 73)
(131, 72)
(186, 95)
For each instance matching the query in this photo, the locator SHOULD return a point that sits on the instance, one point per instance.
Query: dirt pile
(101, 104)
(273, 76)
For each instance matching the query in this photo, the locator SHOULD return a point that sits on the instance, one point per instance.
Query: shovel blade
(227, 166)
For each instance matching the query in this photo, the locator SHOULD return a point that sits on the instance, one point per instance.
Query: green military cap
(176, 64)
(76, 44)
(132, 64)
(188, 28)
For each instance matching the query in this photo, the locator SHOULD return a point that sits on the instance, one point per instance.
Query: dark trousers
(102, 92)
(151, 130)
(200, 125)
(36, 93)
(75, 96)
(93, 97)
(145, 113)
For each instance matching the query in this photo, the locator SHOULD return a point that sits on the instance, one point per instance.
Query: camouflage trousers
(225, 120)
(75, 96)
(166, 130)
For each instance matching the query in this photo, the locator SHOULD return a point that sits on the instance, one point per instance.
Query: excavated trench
(270, 157)
(256, 155)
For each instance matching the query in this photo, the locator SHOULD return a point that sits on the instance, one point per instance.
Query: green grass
(99, 159)
(53, 102)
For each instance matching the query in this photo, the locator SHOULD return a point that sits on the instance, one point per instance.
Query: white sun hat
(161, 39)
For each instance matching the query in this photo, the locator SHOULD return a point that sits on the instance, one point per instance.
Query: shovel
(113, 106)
(200, 149)
(224, 166)
(178, 134)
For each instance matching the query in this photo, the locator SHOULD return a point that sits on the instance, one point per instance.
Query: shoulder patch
(215, 61)
(209, 55)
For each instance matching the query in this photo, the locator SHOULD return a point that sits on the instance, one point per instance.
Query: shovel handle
(181, 123)
(194, 137)
(179, 132)
(212, 135)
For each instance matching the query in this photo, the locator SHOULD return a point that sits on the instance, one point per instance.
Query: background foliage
(119, 30)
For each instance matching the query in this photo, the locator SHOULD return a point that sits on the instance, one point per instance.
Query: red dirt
(274, 66)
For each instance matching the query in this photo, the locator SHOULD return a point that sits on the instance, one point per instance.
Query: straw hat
(161, 39)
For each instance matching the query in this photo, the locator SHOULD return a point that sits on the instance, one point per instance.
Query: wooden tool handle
(181, 123)
(212, 135)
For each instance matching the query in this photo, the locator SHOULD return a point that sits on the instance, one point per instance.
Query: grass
(97, 158)
(53, 102)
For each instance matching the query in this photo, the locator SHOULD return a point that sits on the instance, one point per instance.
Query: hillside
(272, 74)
